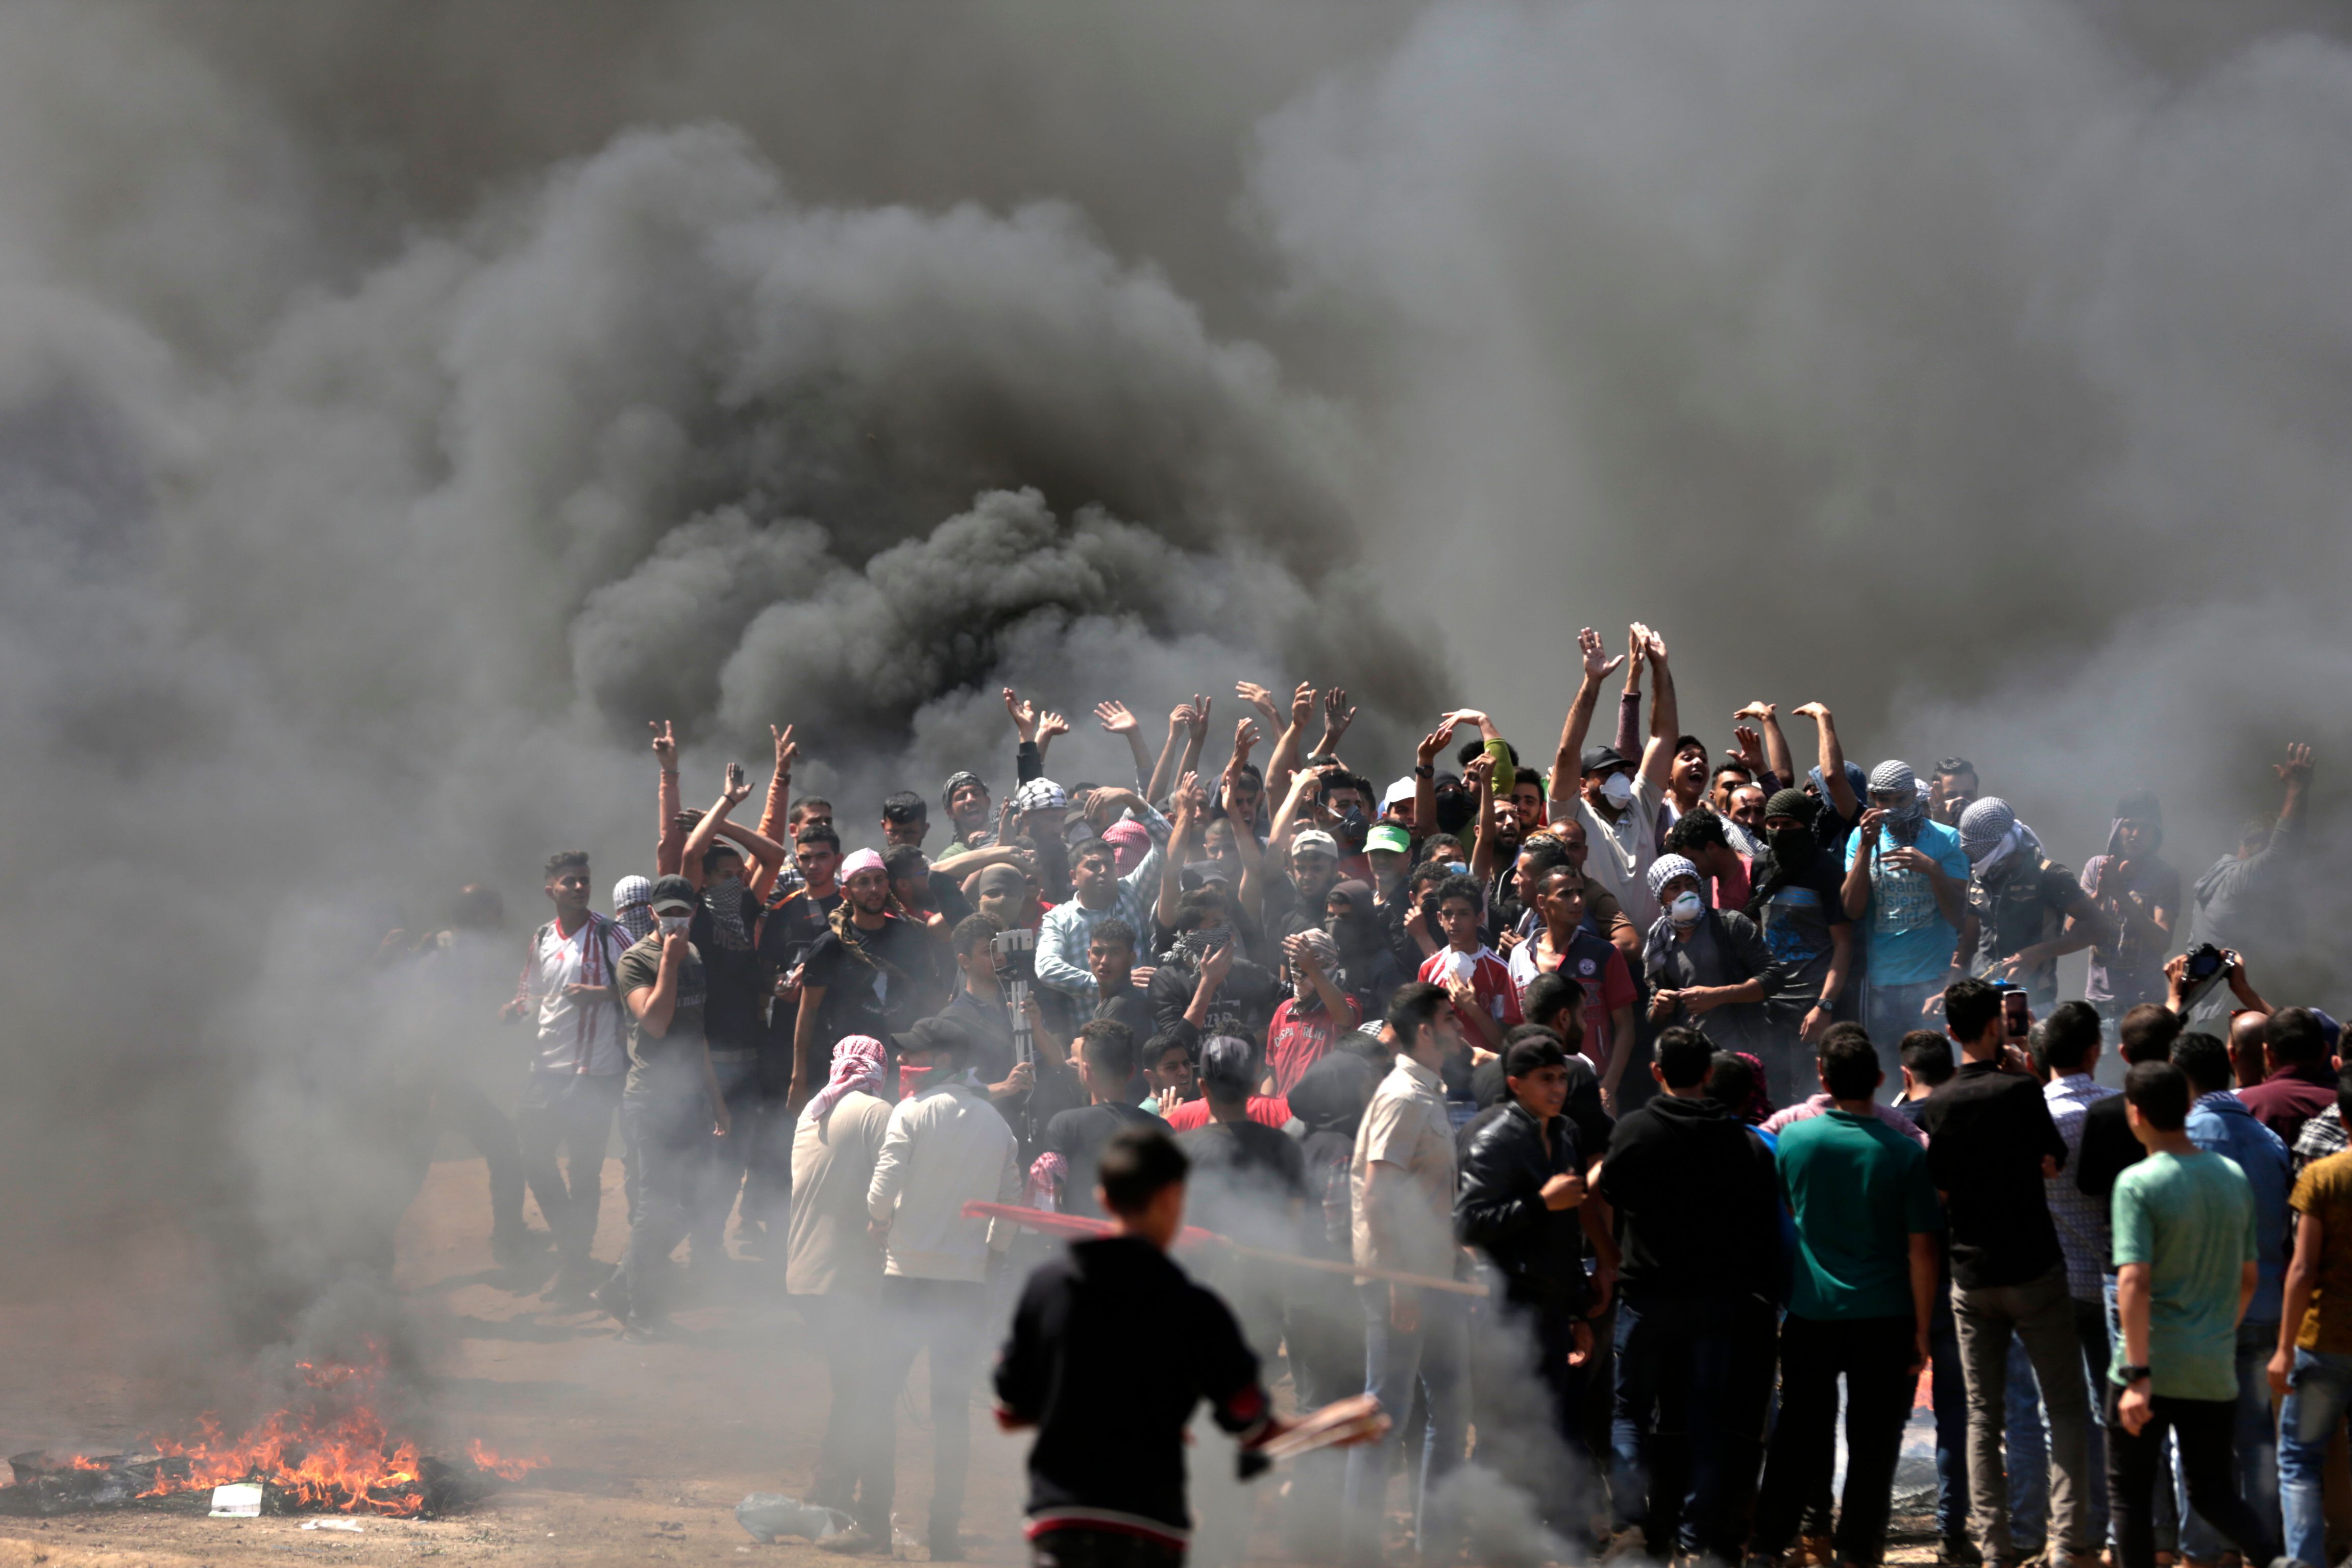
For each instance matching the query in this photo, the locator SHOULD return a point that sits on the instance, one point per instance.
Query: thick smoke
(399, 406)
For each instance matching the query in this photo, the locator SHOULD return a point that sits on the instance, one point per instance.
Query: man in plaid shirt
(1068, 929)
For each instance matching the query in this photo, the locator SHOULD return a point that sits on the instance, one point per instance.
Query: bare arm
(1832, 760)
(1480, 775)
(708, 828)
(2132, 1297)
(1424, 778)
(1284, 762)
(1196, 732)
(1925, 1274)
(1336, 716)
(778, 806)
(1628, 738)
(805, 1044)
(1215, 964)
(1119, 721)
(1567, 784)
(1776, 744)
(654, 1006)
(1164, 769)
(2302, 1278)
(1277, 839)
(1189, 807)
(1666, 716)
(671, 841)
(2295, 774)
(1856, 890)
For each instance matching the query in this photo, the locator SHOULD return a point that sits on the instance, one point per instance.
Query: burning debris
(330, 1452)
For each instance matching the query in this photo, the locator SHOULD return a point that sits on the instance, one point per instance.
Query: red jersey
(1488, 976)
(1296, 1039)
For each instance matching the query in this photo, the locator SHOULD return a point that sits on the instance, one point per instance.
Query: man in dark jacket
(1697, 1223)
(1521, 1204)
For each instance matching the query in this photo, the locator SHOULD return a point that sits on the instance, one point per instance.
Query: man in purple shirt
(2301, 1083)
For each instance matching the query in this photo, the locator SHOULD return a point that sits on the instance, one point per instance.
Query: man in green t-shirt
(670, 1107)
(1864, 1288)
(2185, 1253)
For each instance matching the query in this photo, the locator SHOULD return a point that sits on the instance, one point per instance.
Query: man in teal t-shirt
(1864, 1282)
(2186, 1263)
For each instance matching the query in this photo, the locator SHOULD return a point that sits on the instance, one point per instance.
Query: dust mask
(1618, 790)
(1686, 909)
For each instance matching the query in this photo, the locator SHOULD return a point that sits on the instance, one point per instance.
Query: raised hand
(1217, 963)
(1051, 725)
(1819, 713)
(2296, 770)
(1180, 718)
(1244, 737)
(1462, 716)
(1259, 698)
(1759, 711)
(739, 785)
(1436, 741)
(1337, 717)
(1597, 662)
(1114, 717)
(1653, 643)
(1023, 714)
(1302, 703)
(1749, 746)
(787, 754)
(1200, 721)
(665, 745)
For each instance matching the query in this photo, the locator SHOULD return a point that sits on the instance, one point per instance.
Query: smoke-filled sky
(401, 404)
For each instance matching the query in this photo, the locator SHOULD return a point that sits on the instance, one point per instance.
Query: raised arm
(1336, 716)
(1628, 738)
(1277, 837)
(738, 788)
(670, 843)
(1666, 715)
(1776, 744)
(1049, 724)
(767, 856)
(1196, 735)
(1284, 760)
(1119, 721)
(1833, 761)
(1480, 775)
(1164, 772)
(1567, 762)
(2295, 776)
(1191, 806)
(778, 808)
(1424, 778)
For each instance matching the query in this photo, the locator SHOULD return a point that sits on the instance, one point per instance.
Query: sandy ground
(648, 1448)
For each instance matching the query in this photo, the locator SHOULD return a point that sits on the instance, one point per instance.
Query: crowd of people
(1688, 1084)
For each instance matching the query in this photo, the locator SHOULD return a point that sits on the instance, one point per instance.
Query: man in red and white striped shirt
(575, 1078)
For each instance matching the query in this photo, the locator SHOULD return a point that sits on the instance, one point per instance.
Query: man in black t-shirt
(1991, 1146)
(872, 972)
(1110, 959)
(1105, 1059)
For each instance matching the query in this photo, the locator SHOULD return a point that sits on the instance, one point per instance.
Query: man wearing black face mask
(1795, 896)
(1368, 971)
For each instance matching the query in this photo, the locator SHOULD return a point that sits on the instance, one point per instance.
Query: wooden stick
(1080, 1224)
(1358, 1419)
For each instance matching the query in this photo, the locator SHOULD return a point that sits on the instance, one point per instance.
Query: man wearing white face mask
(2025, 911)
(1615, 799)
(1709, 966)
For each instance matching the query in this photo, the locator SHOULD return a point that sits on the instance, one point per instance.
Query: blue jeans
(2027, 1456)
(671, 1132)
(1435, 1354)
(2318, 1395)
(2257, 1446)
(1688, 1407)
(1949, 1397)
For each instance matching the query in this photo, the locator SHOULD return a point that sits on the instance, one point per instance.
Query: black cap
(672, 890)
(1605, 759)
(935, 1034)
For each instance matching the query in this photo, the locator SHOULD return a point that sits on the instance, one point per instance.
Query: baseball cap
(934, 1034)
(672, 895)
(1605, 759)
(1316, 840)
(1388, 836)
(1399, 792)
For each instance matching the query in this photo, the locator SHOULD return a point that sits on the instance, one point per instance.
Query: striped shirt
(575, 1034)
(2081, 1221)
(1068, 929)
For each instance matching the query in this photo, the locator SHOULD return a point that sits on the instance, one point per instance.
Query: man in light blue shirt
(1906, 882)
(1068, 929)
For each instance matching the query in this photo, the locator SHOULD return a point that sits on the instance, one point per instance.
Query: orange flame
(338, 1454)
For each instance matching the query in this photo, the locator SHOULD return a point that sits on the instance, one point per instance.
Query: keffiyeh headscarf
(856, 1065)
(1902, 821)
(1040, 795)
(1325, 949)
(633, 907)
(1992, 836)
(1666, 868)
(956, 781)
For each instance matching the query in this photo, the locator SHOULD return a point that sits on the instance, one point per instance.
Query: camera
(1015, 954)
(2207, 967)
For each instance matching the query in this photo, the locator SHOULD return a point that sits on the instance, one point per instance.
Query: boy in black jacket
(1521, 1202)
(1106, 1472)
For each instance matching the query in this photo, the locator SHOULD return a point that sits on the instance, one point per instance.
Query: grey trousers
(2040, 1315)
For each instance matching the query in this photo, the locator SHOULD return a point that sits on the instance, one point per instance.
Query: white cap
(1402, 790)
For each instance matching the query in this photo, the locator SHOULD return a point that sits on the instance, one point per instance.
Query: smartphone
(2014, 1013)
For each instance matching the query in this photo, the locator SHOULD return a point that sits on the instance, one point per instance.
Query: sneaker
(611, 1298)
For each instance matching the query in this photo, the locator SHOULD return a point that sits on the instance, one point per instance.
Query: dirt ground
(648, 1448)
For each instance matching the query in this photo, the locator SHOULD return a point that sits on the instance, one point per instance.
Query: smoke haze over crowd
(401, 405)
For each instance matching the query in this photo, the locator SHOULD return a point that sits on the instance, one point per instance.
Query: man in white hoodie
(946, 1146)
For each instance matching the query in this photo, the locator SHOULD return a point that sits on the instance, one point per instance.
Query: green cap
(1388, 836)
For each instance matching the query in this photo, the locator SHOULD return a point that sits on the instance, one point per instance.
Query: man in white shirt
(575, 1083)
(832, 1271)
(945, 1146)
(1616, 799)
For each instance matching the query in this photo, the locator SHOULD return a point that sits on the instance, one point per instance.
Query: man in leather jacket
(1521, 1202)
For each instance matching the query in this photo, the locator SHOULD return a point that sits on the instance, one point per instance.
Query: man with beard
(2137, 893)
(1618, 806)
(970, 812)
(1908, 873)
(872, 972)
(906, 820)
(1795, 896)
(1098, 893)
(2025, 911)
